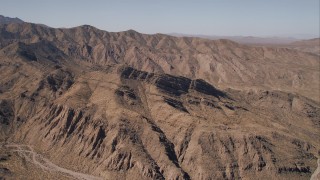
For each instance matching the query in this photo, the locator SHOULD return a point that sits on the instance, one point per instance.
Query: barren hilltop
(90, 104)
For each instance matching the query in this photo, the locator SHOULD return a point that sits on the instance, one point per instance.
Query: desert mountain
(224, 63)
(309, 46)
(245, 39)
(309, 42)
(89, 104)
(8, 20)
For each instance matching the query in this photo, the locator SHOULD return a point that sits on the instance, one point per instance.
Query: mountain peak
(8, 20)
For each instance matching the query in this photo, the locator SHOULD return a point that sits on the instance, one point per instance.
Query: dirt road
(29, 154)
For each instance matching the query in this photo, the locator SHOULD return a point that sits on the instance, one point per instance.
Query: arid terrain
(82, 103)
(311, 45)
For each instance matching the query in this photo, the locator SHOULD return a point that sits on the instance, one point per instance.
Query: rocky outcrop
(6, 118)
(172, 85)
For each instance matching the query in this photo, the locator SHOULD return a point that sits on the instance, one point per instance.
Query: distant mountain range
(245, 39)
(276, 40)
(309, 42)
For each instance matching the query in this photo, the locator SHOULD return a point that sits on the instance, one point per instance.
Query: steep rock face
(6, 118)
(173, 85)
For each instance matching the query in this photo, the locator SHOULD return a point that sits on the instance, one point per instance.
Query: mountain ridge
(255, 40)
(207, 59)
(133, 106)
(8, 20)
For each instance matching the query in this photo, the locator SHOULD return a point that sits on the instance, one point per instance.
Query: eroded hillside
(132, 106)
(223, 63)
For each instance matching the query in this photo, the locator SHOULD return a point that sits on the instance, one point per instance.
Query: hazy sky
(207, 17)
